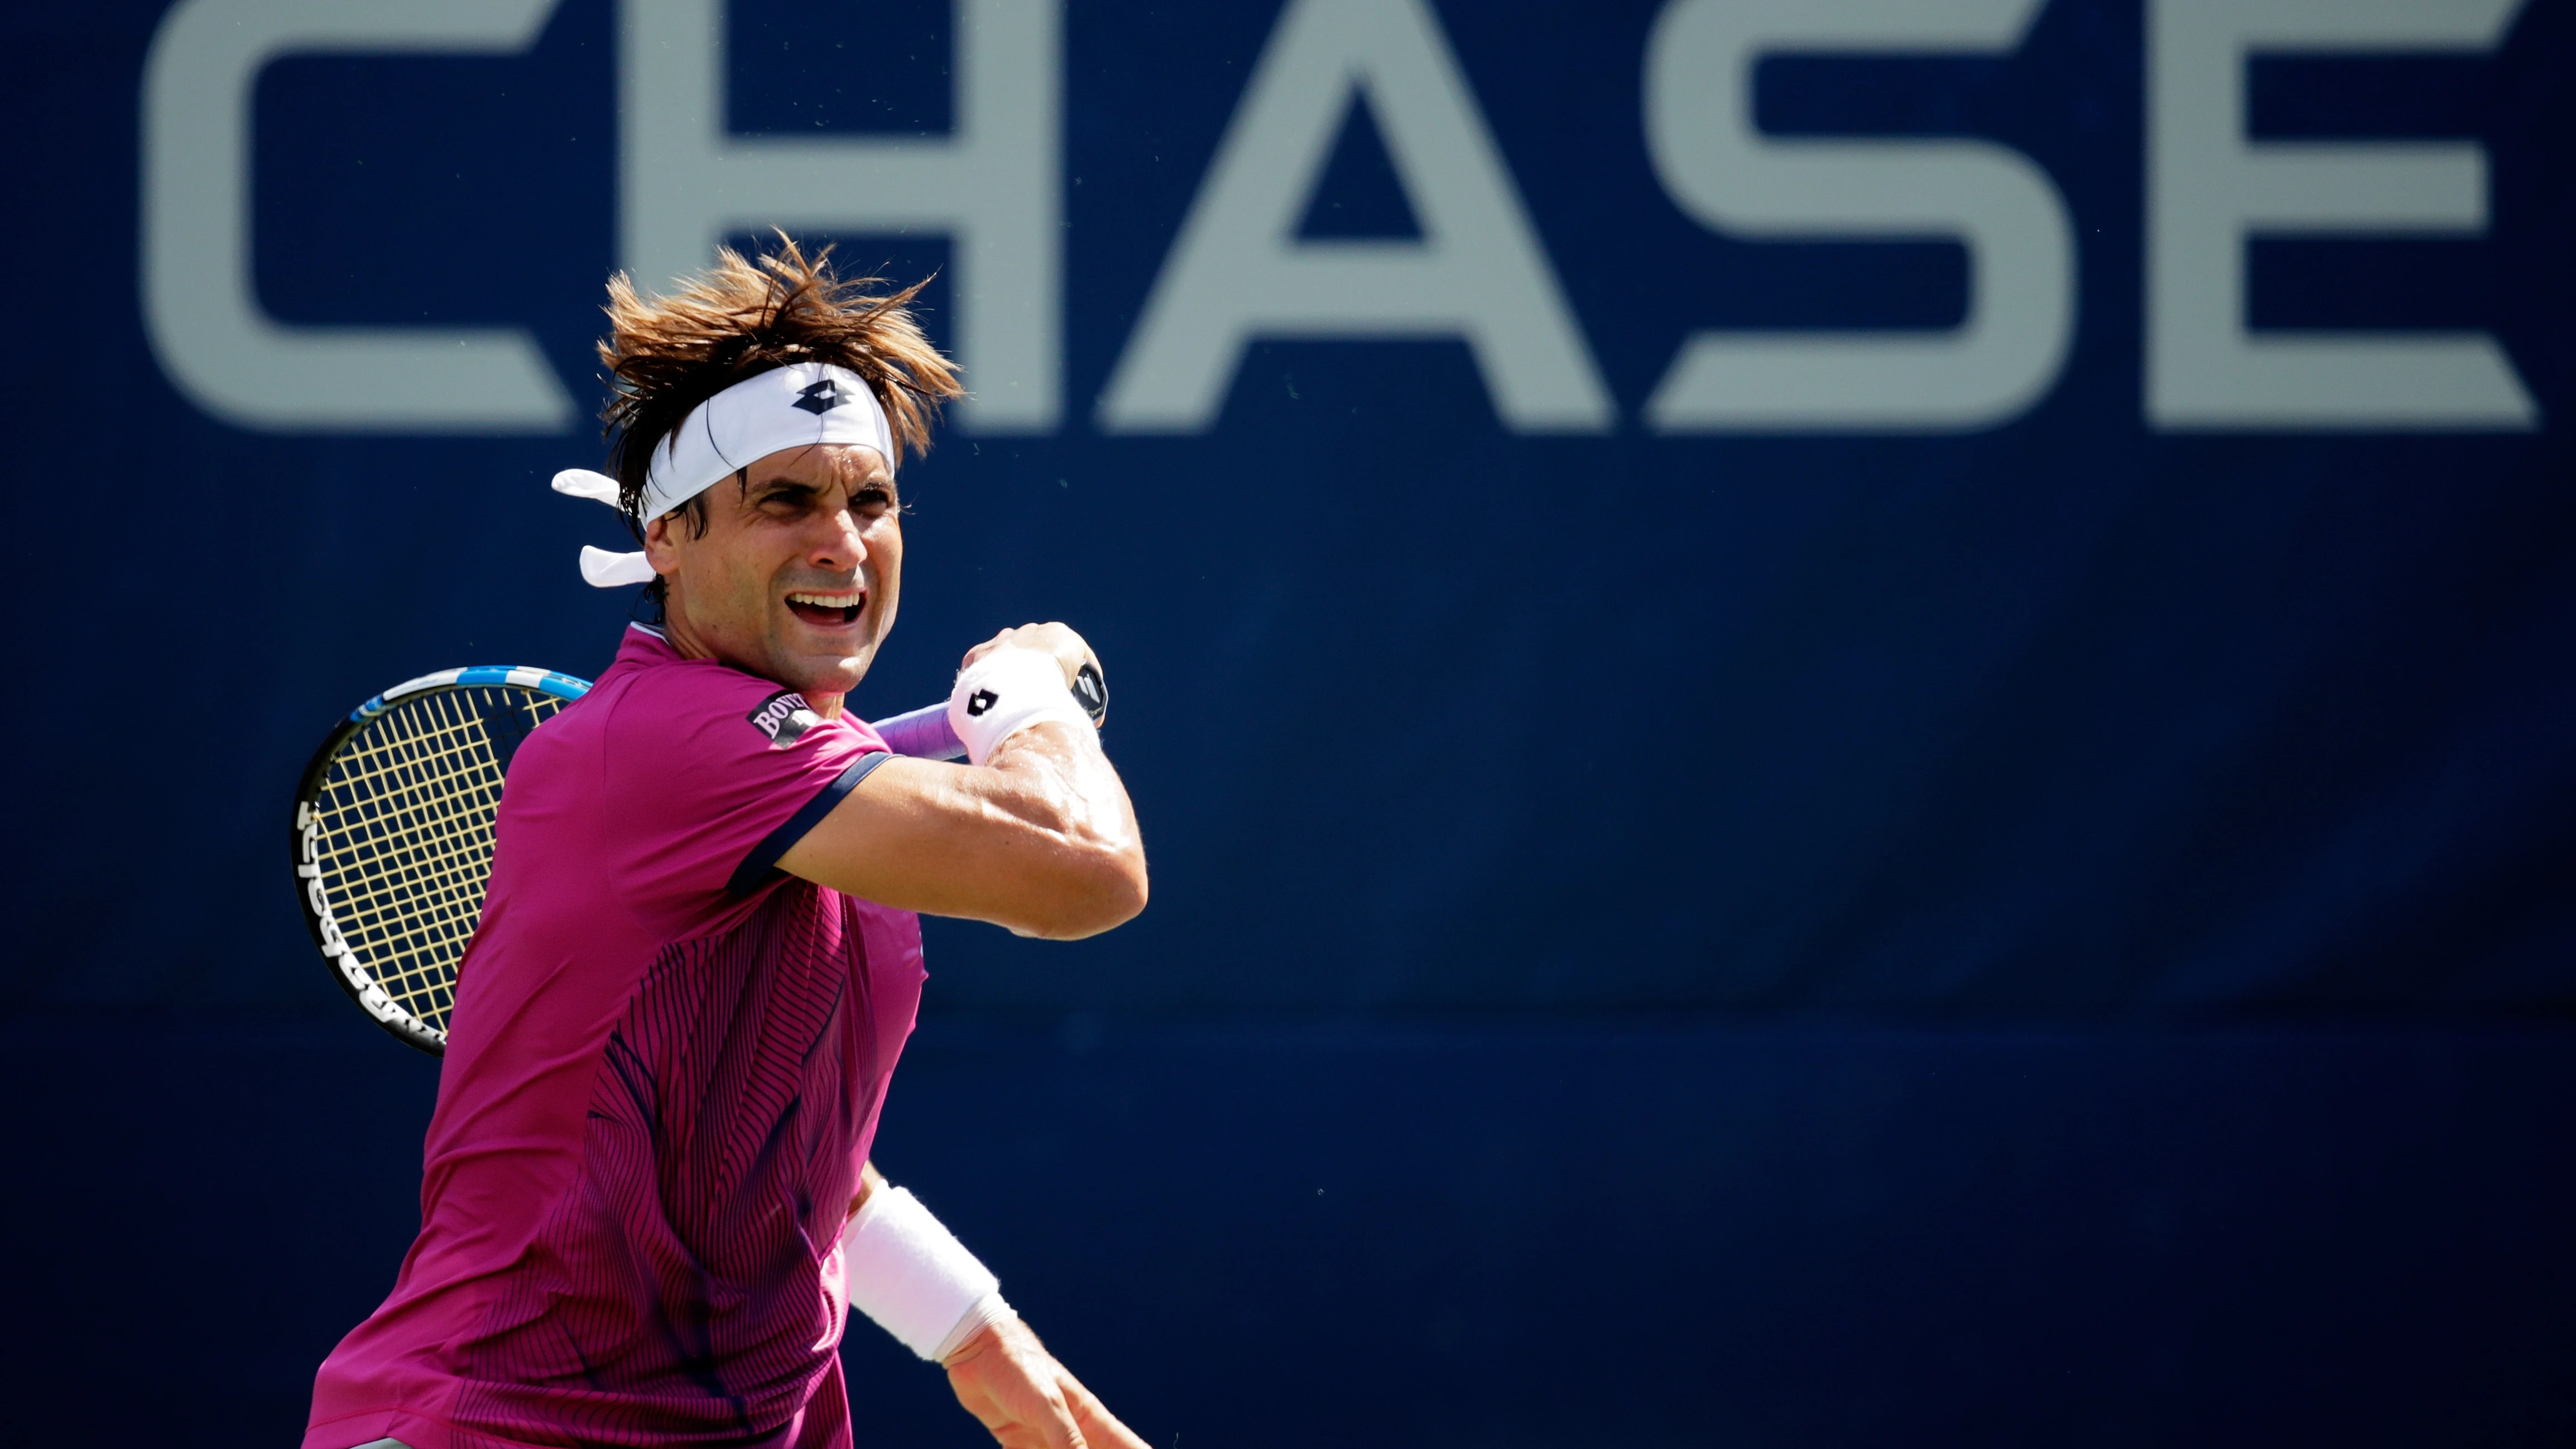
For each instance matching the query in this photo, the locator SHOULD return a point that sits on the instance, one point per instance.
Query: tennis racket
(393, 827)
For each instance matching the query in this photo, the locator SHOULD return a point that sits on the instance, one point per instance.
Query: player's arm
(915, 1280)
(1016, 1389)
(1038, 835)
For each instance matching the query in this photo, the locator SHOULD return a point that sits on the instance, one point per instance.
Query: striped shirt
(663, 1071)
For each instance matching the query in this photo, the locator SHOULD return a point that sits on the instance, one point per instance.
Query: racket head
(392, 834)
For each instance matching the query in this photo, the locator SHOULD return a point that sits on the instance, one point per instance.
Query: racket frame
(346, 967)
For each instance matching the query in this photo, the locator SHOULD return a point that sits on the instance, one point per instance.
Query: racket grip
(922, 733)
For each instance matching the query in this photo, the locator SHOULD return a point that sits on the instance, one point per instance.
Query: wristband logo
(784, 717)
(980, 701)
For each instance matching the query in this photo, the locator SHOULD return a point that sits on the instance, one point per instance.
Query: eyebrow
(805, 489)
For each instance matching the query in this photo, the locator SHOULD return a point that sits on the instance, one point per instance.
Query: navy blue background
(2062, 934)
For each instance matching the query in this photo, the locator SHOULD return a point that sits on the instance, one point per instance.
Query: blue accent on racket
(519, 676)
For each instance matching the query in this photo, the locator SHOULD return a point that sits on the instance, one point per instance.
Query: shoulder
(700, 765)
(696, 727)
(707, 708)
(690, 687)
(650, 691)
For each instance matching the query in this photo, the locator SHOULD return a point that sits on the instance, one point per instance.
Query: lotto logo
(980, 701)
(784, 718)
(819, 398)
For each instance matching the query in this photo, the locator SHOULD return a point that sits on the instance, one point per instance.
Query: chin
(827, 670)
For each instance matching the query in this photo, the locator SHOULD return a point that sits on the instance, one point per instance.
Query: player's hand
(1009, 1382)
(1056, 639)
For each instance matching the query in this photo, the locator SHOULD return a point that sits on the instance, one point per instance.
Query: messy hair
(739, 318)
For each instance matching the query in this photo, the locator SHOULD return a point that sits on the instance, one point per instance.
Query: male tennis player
(646, 1185)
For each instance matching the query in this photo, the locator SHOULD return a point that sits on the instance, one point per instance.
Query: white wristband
(989, 1309)
(912, 1277)
(1004, 693)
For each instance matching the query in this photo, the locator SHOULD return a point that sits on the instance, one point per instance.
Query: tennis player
(647, 1203)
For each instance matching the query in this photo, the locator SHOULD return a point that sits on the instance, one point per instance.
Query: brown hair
(740, 318)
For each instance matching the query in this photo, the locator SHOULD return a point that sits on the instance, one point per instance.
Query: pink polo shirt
(662, 1075)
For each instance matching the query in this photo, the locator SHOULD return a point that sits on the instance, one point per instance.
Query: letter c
(199, 305)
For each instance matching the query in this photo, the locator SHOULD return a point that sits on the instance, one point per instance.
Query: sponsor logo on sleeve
(784, 717)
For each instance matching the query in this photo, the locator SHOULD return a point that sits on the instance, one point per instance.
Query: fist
(1070, 653)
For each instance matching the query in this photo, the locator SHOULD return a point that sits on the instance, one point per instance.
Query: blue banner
(1926, 506)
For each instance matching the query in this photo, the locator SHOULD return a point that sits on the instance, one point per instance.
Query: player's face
(796, 577)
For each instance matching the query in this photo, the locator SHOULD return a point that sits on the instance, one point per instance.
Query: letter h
(994, 186)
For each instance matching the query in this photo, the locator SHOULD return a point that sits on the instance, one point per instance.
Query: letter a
(1238, 270)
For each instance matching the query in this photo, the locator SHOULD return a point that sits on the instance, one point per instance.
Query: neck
(689, 644)
(677, 628)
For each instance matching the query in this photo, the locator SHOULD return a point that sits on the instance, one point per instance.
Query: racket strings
(404, 838)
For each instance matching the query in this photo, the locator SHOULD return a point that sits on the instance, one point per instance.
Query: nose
(836, 541)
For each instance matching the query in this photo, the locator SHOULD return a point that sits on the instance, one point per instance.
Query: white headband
(787, 407)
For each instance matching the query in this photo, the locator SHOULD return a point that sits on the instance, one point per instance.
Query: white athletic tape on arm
(1004, 693)
(913, 1279)
(988, 1310)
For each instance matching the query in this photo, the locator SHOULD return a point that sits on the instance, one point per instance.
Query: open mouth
(827, 609)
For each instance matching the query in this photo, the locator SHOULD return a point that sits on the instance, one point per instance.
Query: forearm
(1039, 747)
(870, 1180)
(1041, 839)
(910, 1276)
(1056, 783)
(1037, 834)
(999, 1370)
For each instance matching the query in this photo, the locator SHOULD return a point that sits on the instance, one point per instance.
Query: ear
(662, 545)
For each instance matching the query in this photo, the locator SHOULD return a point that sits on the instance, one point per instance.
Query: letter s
(1718, 166)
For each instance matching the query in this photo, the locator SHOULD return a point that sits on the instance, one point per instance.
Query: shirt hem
(415, 1429)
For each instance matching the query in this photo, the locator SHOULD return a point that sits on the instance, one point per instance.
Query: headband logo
(819, 398)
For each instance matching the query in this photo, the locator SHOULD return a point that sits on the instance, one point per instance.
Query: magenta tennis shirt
(663, 1070)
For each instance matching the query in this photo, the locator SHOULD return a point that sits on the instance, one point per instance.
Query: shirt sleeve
(711, 775)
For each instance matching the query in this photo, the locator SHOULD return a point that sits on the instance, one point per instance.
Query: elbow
(1107, 891)
(1129, 895)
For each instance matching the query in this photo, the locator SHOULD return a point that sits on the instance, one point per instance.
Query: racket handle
(922, 733)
